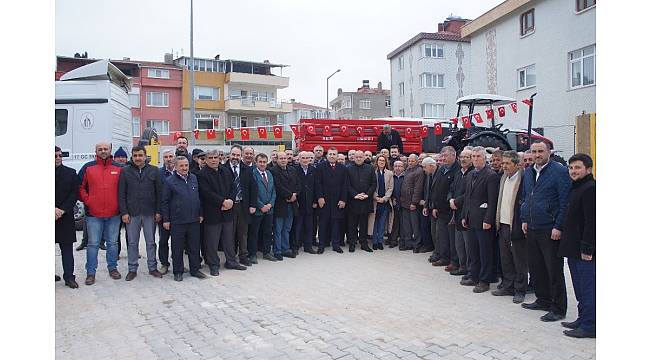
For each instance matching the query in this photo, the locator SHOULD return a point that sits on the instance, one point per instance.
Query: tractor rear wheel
(488, 140)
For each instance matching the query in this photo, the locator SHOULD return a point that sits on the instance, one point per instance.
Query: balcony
(279, 82)
(251, 105)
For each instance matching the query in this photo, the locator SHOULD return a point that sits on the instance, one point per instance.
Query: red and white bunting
(437, 129)
(295, 129)
(261, 132)
(211, 134)
(230, 134)
(478, 118)
(277, 131)
(466, 122)
(489, 113)
(502, 111)
(424, 131)
(177, 134)
(245, 134)
(360, 130)
(344, 130)
(513, 106)
(196, 133)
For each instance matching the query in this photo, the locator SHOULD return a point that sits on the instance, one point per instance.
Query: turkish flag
(513, 106)
(327, 130)
(478, 118)
(245, 134)
(437, 129)
(502, 111)
(377, 130)
(215, 123)
(528, 102)
(177, 135)
(196, 133)
(261, 132)
(230, 134)
(409, 132)
(211, 134)
(311, 129)
(489, 113)
(455, 121)
(424, 131)
(344, 130)
(294, 128)
(277, 131)
(360, 130)
(466, 122)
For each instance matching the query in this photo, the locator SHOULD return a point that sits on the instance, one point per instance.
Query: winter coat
(180, 200)
(412, 187)
(481, 196)
(247, 185)
(265, 192)
(66, 194)
(579, 235)
(99, 188)
(332, 185)
(307, 194)
(361, 179)
(384, 142)
(457, 192)
(546, 200)
(286, 183)
(215, 186)
(139, 190)
(516, 233)
(439, 197)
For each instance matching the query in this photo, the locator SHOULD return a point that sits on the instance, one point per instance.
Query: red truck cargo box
(306, 140)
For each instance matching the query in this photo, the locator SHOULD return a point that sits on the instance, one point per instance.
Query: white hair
(428, 161)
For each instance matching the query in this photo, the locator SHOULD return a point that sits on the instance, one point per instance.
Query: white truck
(92, 105)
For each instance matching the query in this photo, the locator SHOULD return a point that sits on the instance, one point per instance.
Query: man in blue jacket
(546, 194)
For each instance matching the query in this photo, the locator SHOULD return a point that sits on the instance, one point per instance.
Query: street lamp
(327, 92)
(192, 108)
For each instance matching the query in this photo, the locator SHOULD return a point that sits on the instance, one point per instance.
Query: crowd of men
(512, 219)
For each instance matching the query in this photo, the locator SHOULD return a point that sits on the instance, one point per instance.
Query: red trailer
(344, 134)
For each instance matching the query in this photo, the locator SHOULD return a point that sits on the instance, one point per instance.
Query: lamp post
(327, 92)
(192, 109)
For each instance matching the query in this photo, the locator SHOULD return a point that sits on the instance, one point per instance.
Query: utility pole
(192, 110)
(327, 92)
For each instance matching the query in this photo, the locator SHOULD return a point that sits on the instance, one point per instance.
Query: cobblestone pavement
(384, 305)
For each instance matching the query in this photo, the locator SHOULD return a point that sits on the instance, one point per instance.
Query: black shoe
(289, 254)
(199, 275)
(579, 333)
(214, 270)
(425, 249)
(503, 292)
(338, 250)
(380, 246)
(416, 250)
(71, 284)
(310, 250)
(295, 252)
(81, 247)
(278, 257)
(392, 245)
(178, 277)
(468, 282)
(320, 250)
(551, 316)
(351, 249)
(366, 248)
(458, 272)
(408, 248)
(245, 262)
(481, 287)
(102, 246)
(374, 246)
(235, 267)
(570, 325)
(269, 257)
(535, 306)
(465, 277)
(518, 298)
(253, 259)
(57, 278)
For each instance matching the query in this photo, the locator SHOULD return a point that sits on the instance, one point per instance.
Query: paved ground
(385, 305)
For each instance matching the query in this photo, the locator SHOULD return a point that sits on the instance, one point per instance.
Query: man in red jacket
(98, 191)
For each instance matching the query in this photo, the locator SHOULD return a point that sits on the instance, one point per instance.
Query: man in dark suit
(388, 138)
(66, 193)
(307, 202)
(245, 200)
(262, 223)
(410, 202)
(163, 235)
(286, 189)
(362, 185)
(456, 199)
(478, 216)
(427, 222)
(441, 211)
(331, 191)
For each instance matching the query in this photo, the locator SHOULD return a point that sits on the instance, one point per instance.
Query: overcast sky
(314, 37)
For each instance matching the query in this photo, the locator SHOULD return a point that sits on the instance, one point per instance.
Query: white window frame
(346, 103)
(164, 126)
(262, 121)
(525, 70)
(436, 50)
(580, 11)
(400, 62)
(436, 80)
(433, 111)
(206, 117)
(580, 60)
(400, 86)
(216, 93)
(136, 129)
(134, 94)
(401, 113)
(150, 98)
(155, 73)
(365, 104)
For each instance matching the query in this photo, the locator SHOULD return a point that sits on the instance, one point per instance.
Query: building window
(234, 122)
(433, 110)
(527, 22)
(401, 89)
(158, 73)
(527, 77)
(432, 50)
(207, 121)
(134, 98)
(401, 112)
(400, 62)
(365, 104)
(158, 99)
(429, 80)
(60, 122)
(262, 121)
(206, 93)
(161, 126)
(347, 103)
(387, 102)
(584, 4)
(583, 66)
(136, 126)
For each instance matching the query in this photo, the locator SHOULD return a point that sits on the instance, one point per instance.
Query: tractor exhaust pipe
(530, 122)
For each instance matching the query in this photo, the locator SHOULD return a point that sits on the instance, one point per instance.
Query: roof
(495, 14)
(440, 35)
(99, 70)
(484, 99)
(122, 61)
(240, 61)
(298, 105)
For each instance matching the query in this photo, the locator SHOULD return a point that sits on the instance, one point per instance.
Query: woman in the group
(381, 198)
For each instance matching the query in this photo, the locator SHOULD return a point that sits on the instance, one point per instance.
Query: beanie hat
(120, 153)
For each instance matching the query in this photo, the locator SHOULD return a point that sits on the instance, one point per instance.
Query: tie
(266, 181)
(238, 197)
(333, 166)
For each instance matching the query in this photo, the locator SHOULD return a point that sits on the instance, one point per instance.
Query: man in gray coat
(410, 203)
(139, 197)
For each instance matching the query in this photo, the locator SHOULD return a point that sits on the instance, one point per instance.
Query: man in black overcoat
(66, 193)
(362, 185)
(331, 192)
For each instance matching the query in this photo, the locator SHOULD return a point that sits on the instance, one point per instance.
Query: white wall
(558, 31)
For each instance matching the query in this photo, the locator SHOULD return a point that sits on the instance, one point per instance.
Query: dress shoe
(178, 277)
(374, 246)
(278, 257)
(451, 267)
(338, 250)
(570, 325)
(433, 258)
(310, 250)
(289, 254)
(503, 292)
(416, 250)
(440, 263)
(199, 275)
(579, 333)
(351, 249)
(235, 267)
(115, 275)
(214, 270)
(468, 282)
(518, 298)
(71, 284)
(81, 247)
(269, 257)
(90, 279)
(426, 249)
(366, 248)
(535, 306)
(164, 269)
(129, 276)
(551, 316)
(57, 278)
(458, 272)
(155, 273)
(465, 277)
(320, 250)
(244, 261)
(481, 287)
(380, 246)
(253, 259)
(392, 245)
(295, 252)
(102, 246)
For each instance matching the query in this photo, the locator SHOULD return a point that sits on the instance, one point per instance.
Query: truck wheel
(147, 135)
(487, 141)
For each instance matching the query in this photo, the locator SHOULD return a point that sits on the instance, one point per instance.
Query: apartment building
(365, 103)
